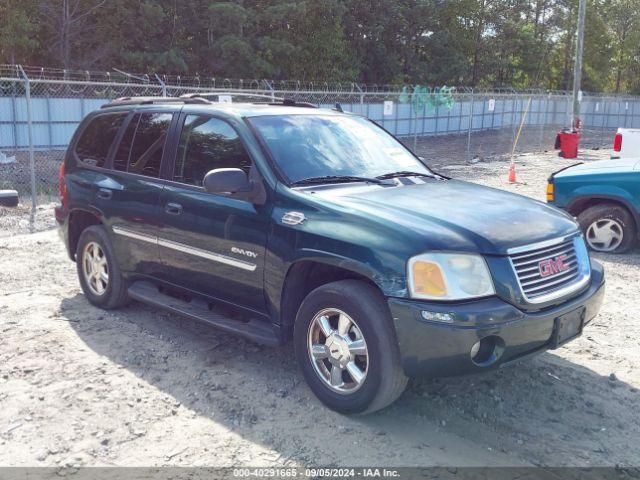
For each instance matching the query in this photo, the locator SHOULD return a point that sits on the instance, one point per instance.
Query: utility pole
(577, 68)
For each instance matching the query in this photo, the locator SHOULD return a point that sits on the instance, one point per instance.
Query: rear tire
(99, 274)
(356, 368)
(608, 228)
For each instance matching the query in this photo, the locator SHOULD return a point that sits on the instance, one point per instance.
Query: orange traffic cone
(512, 173)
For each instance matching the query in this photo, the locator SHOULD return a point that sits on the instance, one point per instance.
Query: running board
(255, 330)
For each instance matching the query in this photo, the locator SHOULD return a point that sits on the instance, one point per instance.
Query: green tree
(17, 27)
(513, 43)
(624, 22)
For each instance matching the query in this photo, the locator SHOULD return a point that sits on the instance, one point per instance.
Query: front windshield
(308, 146)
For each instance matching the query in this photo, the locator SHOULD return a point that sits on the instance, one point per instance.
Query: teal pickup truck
(605, 197)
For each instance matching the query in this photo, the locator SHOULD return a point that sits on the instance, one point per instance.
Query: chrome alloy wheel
(605, 235)
(338, 351)
(95, 268)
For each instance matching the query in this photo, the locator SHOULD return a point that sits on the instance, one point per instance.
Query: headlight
(449, 276)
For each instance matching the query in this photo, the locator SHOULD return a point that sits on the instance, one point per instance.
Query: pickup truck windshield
(311, 146)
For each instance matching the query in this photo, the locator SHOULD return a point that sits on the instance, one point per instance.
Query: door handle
(173, 208)
(105, 193)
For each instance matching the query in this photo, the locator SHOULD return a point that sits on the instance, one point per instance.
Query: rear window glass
(93, 147)
(148, 144)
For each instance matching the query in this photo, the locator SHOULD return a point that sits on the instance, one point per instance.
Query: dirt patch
(18, 220)
(496, 144)
(137, 386)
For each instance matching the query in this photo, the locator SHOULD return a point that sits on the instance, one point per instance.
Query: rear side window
(121, 157)
(96, 139)
(148, 144)
(207, 143)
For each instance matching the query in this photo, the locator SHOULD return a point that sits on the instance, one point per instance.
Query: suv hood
(453, 215)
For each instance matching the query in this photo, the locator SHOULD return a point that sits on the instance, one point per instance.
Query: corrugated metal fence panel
(56, 118)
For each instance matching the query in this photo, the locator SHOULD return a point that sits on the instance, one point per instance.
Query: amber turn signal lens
(550, 192)
(428, 279)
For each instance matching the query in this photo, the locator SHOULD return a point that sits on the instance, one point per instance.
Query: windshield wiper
(403, 173)
(338, 179)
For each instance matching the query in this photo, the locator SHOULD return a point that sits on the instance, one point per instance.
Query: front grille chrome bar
(538, 286)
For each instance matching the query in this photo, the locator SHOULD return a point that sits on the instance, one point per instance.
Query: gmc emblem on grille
(551, 266)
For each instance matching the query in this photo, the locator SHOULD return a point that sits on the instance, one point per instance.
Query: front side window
(96, 139)
(148, 144)
(207, 143)
(307, 146)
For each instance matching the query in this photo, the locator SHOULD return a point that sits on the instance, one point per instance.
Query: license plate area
(567, 327)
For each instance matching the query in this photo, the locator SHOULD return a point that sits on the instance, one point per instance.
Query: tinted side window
(93, 146)
(148, 144)
(207, 143)
(121, 157)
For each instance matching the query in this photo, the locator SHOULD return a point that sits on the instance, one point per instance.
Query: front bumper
(435, 349)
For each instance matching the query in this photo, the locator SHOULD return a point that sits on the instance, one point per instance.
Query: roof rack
(203, 98)
(153, 100)
(275, 101)
(230, 94)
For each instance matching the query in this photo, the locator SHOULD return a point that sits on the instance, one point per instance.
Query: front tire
(99, 274)
(347, 349)
(608, 228)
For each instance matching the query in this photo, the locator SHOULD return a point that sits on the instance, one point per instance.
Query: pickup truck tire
(361, 347)
(99, 274)
(608, 227)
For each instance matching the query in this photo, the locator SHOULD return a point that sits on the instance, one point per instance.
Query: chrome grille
(537, 288)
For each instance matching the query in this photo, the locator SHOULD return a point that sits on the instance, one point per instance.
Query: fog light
(437, 317)
(487, 351)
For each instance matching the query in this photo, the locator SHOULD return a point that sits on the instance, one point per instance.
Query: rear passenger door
(211, 243)
(132, 201)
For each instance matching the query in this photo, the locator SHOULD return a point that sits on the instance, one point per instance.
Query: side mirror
(226, 180)
(8, 198)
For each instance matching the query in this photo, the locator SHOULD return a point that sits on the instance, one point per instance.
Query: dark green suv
(281, 222)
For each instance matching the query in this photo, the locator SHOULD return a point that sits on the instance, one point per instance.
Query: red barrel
(569, 142)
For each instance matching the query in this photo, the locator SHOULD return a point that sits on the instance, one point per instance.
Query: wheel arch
(306, 274)
(80, 220)
(581, 203)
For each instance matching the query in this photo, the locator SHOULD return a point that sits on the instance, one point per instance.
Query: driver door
(212, 244)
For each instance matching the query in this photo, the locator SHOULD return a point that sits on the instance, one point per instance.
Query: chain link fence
(40, 109)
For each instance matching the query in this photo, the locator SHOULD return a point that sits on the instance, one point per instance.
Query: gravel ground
(16, 221)
(137, 386)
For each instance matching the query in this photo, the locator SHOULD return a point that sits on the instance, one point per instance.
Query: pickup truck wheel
(347, 349)
(608, 228)
(100, 277)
